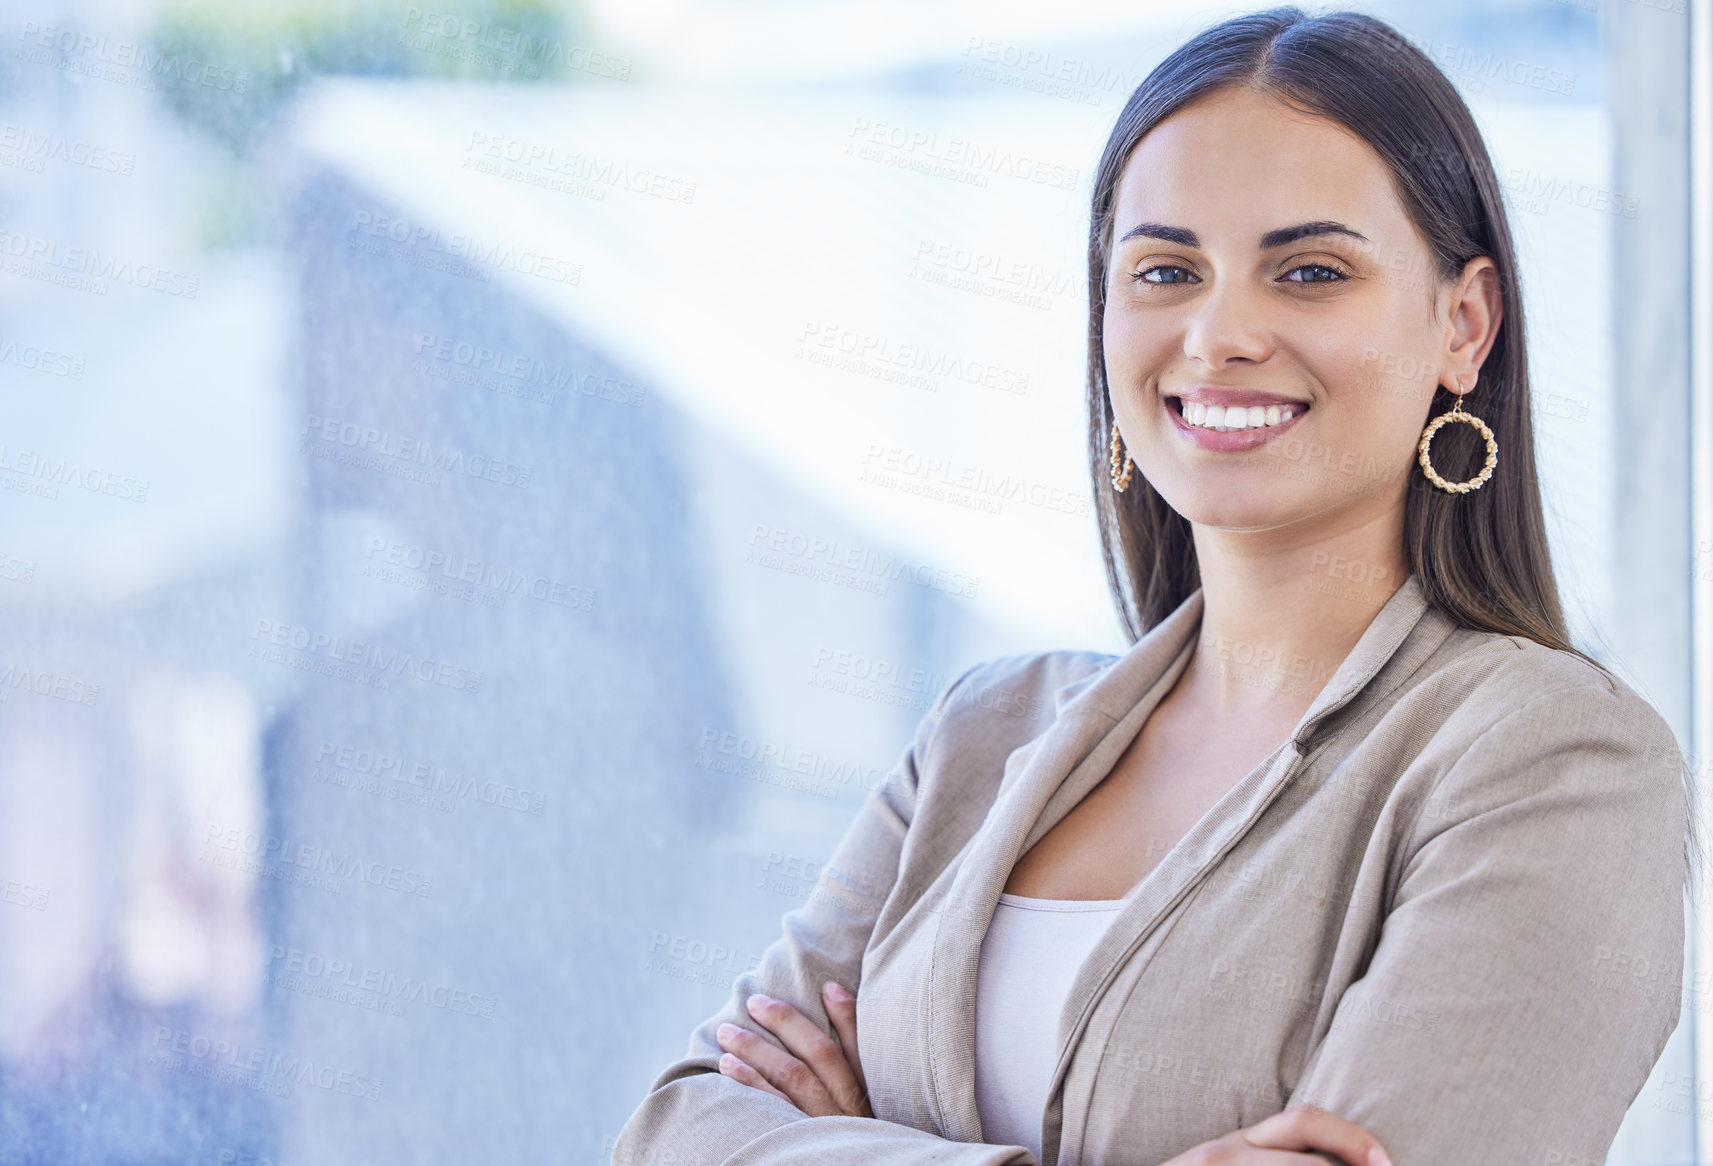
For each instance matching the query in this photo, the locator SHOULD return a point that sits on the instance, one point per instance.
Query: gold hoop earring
(1120, 480)
(1457, 414)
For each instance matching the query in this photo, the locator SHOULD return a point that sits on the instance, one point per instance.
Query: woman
(1351, 854)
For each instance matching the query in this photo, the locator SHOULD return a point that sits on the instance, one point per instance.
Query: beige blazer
(1449, 908)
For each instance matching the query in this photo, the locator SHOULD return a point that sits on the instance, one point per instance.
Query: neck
(1280, 616)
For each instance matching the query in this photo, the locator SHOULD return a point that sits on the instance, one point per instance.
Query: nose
(1228, 325)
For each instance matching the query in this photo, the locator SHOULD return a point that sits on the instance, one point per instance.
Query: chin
(1254, 503)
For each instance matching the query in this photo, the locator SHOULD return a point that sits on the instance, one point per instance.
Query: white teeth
(1236, 417)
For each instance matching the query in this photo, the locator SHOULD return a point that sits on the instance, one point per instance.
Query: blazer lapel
(1080, 741)
(1049, 776)
(1153, 899)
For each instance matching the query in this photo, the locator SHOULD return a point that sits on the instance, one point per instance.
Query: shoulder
(1511, 673)
(1019, 693)
(1508, 719)
(1487, 681)
(990, 710)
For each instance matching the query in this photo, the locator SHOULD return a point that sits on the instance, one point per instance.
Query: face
(1263, 273)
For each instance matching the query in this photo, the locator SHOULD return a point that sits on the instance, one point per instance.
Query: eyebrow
(1184, 237)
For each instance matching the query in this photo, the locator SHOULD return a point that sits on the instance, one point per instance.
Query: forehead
(1241, 161)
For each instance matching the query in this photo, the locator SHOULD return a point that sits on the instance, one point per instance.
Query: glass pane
(490, 487)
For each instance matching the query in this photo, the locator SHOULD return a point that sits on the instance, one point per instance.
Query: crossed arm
(694, 1113)
(1550, 854)
(824, 1078)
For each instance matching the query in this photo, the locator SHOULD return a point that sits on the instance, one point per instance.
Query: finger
(841, 1010)
(732, 1067)
(800, 1084)
(814, 1048)
(1309, 1127)
(1232, 1148)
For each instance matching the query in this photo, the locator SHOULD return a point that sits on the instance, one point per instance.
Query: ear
(1476, 310)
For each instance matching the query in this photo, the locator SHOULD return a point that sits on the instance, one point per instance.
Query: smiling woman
(1345, 247)
(1361, 869)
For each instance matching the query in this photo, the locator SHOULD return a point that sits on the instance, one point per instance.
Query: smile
(1233, 427)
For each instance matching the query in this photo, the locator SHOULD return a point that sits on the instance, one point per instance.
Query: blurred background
(489, 487)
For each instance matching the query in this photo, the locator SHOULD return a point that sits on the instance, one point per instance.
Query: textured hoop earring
(1457, 414)
(1120, 480)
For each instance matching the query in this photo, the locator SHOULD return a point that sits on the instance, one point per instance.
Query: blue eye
(1143, 275)
(1335, 274)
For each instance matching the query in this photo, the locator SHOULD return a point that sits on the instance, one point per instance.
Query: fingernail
(758, 1000)
(836, 990)
(1377, 1157)
(727, 1031)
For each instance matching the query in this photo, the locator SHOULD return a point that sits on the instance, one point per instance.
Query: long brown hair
(1481, 556)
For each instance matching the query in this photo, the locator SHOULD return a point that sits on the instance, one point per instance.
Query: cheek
(1134, 350)
(1385, 388)
(1377, 414)
(1388, 349)
(1114, 340)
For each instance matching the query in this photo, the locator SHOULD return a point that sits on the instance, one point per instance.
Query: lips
(1232, 419)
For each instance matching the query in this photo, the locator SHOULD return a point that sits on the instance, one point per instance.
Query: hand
(815, 1075)
(1307, 1128)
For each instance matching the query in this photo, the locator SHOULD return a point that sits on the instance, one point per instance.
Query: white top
(1030, 955)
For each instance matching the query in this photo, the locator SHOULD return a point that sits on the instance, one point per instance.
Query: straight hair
(1481, 556)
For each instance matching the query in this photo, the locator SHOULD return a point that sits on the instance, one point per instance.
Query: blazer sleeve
(1529, 971)
(694, 1114)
